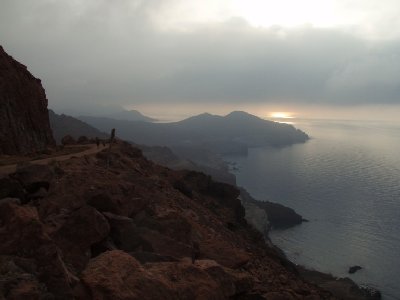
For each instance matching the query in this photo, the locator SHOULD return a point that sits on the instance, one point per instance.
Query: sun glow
(281, 115)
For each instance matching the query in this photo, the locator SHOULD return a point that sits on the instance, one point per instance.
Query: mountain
(233, 133)
(63, 125)
(130, 115)
(24, 120)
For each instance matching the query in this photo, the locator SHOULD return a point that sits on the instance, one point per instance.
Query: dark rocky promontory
(279, 216)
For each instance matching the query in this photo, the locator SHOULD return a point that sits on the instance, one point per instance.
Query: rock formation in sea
(24, 119)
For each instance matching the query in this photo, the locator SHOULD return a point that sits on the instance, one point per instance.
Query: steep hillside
(24, 120)
(131, 232)
(190, 159)
(63, 125)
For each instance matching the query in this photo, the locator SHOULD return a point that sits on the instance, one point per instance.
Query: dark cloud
(90, 52)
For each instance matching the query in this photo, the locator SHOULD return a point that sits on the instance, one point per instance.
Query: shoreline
(343, 288)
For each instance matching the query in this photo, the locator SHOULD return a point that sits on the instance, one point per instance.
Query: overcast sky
(154, 53)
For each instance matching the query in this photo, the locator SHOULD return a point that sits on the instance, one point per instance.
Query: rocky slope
(189, 159)
(24, 120)
(78, 229)
(63, 125)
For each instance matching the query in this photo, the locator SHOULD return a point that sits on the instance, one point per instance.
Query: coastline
(258, 215)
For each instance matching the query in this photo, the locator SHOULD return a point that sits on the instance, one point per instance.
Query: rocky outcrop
(24, 120)
(279, 216)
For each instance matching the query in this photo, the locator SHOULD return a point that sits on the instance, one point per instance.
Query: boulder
(33, 177)
(126, 235)
(10, 187)
(23, 235)
(81, 229)
(21, 231)
(117, 275)
(10, 200)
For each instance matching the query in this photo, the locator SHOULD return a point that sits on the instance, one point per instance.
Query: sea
(346, 181)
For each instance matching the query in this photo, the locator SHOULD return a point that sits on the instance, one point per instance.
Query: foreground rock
(128, 231)
(24, 119)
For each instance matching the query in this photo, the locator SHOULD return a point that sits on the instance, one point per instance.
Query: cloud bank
(119, 52)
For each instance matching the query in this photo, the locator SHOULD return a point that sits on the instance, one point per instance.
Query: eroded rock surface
(24, 119)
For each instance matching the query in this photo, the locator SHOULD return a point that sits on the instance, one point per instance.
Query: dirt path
(9, 169)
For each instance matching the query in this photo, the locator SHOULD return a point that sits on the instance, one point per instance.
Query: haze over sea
(346, 181)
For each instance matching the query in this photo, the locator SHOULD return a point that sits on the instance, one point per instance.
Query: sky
(308, 58)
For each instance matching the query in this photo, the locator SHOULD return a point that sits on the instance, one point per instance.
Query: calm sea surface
(346, 181)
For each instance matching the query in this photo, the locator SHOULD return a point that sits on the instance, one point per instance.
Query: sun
(281, 115)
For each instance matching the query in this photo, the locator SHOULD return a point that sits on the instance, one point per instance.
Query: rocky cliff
(24, 120)
(131, 231)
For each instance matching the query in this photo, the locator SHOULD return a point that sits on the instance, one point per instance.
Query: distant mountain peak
(238, 113)
(242, 115)
(201, 118)
(130, 115)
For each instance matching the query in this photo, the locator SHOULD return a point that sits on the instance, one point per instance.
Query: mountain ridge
(234, 133)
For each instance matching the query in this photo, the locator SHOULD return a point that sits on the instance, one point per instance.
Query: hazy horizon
(284, 113)
(171, 59)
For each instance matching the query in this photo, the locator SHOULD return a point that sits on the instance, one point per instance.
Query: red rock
(23, 234)
(24, 119)
(117, 275)
(81, 229)
(21, 231)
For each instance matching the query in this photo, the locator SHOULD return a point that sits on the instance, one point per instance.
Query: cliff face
(79, 229)
(24, 120)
